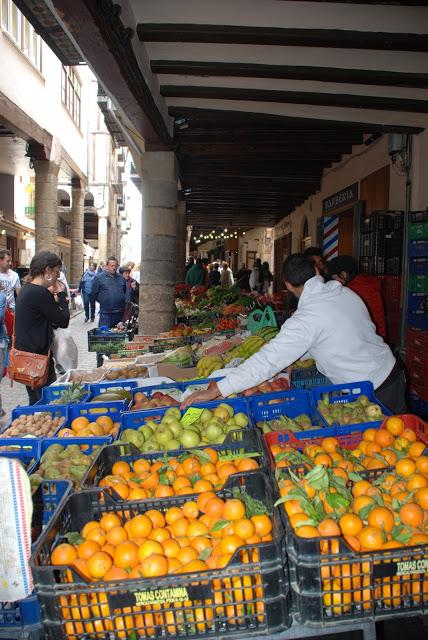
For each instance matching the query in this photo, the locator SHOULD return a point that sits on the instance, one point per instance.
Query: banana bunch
(244, 350)
(208, 364)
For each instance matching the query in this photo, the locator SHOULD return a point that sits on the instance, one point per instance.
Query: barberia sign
(343, 197)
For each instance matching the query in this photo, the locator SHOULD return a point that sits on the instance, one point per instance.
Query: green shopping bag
(260, 318)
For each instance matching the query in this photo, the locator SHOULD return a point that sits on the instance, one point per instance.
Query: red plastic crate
(417, 339)
(348, 439)
(392, 288)
(416, 357)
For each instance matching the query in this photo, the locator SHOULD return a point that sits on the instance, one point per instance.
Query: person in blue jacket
(85, 287)
(109, 290)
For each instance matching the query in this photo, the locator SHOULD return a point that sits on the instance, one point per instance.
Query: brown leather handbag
(31, 369)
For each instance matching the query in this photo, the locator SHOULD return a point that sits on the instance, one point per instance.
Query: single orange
(371, 538)
(234, 509)
(202, 485)
(405, 467)
(382, 518)
(120, 467)
(411, 514)
(173, 513)
(329, 527)
(64, 554)
(87, 548)
(186, 554)
(97, 535)
(98, 564)
(148, 547)
(116, 535)
(157, 517)
(110, 520)
(262, 523)
(190, 509)
(395, 425)
(126, 555)
(350, 524)
(203, 498)
(214, 508)
(141, 526)
(154, 565)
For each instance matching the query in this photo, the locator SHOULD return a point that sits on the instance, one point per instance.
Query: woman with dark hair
(41, 307)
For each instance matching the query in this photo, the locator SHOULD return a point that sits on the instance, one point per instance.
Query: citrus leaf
(74, 537)
(202, 455)
(364, 511)
(219, 525)
(354, 477)
(205, 554)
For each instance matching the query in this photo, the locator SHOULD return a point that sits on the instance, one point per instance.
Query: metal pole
(405, 260)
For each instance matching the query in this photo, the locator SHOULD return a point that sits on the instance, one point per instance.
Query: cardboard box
(174, 372)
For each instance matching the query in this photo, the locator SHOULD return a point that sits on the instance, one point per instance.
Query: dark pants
(88, 301)
(392, 392)
(110, 319)
(34, 395)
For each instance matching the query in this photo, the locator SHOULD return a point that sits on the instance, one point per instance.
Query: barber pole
(331, 237)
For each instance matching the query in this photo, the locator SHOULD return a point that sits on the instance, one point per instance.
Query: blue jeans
(110, 319)
(88, 301)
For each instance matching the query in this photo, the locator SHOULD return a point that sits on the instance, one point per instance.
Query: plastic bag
(64, 349)
(78, 301)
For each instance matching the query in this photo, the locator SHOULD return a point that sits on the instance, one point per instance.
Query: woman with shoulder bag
(41, 307)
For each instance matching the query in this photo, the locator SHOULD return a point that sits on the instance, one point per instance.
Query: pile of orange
(379, 512)
(198, 536)
(165, 477)
(82, 427)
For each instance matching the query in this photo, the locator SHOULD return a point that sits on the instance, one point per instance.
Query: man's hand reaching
(212, 393)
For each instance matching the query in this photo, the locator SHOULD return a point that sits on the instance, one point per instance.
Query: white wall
(39, 95)
(420, 172)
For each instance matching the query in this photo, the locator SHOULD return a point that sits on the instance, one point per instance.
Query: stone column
(181, 239)
(77, 224)
(102, 236)
(188, 238)
(158, 251)
(46, 205)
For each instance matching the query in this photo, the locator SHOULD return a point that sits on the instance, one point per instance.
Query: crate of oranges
(356, 523)
(132, 475)
(100, 419)
(199, 566)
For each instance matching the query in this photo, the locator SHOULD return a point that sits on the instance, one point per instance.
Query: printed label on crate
(404, 568)
(191, 416)
(141, 598)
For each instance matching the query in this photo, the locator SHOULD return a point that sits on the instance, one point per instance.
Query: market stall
(293, 509)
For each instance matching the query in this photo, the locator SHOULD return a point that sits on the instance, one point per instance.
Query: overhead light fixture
(181, 123)
(225, 230)
(243, 233)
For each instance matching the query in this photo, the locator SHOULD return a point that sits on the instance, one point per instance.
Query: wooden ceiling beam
(329, 38)
(296, 97)
(205, 118)
(291, 72)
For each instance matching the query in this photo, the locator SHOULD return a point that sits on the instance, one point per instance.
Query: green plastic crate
(418, 230)
(418, 283)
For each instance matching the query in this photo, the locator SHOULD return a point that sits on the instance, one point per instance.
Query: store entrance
(346, 232)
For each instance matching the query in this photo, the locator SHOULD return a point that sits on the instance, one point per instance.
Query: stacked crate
(381, 250)
(417, 309)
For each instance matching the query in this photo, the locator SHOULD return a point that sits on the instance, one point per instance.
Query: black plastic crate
(240, 442)
(372, 244)
(377, 221)
(249, 596)
(393, 266)
(331, 582)
(394, 244)
(418, 216)
(374, 265)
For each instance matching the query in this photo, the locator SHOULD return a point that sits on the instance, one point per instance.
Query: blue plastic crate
(88, 444)
(307, 378)
(418, 248)
(263, 399)
(55, 410)
(27, 450)
(53, 393)
(163, 388)
(50, 496)
(203, 382)
(102, 387)
(418, 266)
(417, 310)
(97, 409)
(292, 409)
(418, 406)
(135, 419)
(348, 392)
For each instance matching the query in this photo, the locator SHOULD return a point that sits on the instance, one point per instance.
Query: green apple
(241, 419)
(172, 444)
(228, 408)
(212, 432)
(205, 415)
(147, 431)
(163, 434)
(173, 411)
(150, 446)
(152, 424)
(176, 427)
(222, 413)
(189, 438)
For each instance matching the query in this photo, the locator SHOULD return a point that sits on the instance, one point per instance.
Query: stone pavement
(17, 395)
